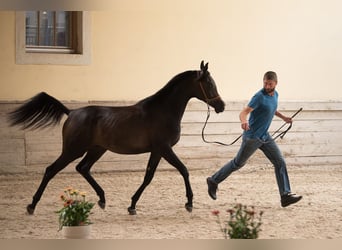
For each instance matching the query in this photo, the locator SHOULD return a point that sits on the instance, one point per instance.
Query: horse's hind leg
(84, 169)
(50, 172)
(150, 170)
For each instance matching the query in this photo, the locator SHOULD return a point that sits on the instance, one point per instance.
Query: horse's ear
(202, 65)
(204, 68)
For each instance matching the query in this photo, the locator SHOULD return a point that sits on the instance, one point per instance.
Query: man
(261, 109)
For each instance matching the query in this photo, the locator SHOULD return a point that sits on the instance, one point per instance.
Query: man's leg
(247, 149)
(272, 152)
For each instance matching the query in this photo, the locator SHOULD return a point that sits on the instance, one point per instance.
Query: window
(53, 37)
(50, 30)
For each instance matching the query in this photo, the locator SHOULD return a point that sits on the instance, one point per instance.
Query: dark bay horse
(151, 125)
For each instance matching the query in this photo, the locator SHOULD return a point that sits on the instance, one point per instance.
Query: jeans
(247, 149)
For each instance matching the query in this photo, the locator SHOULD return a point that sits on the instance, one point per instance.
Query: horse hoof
(188, 208)
(132, 211)
(101, 204)
(30, 209)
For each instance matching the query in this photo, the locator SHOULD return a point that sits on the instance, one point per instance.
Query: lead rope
(281, 135)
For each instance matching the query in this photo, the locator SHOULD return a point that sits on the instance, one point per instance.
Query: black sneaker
(288, 199)
(212, 187)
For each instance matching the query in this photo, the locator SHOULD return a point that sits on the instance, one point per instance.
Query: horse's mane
(171, 85)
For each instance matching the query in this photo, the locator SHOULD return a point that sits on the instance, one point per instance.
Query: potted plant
(74, 216)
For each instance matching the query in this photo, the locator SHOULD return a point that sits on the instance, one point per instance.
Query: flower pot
(76, 232)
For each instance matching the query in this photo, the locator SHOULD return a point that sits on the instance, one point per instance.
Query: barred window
(50, 31)
(53, 37)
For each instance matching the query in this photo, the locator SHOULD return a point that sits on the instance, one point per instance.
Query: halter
(207, 100)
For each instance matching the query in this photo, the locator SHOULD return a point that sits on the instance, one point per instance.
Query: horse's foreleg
(172, 158)
(84, 169)
(150, 170)
(50, 172)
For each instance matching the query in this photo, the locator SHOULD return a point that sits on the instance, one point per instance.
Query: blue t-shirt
(264, 107)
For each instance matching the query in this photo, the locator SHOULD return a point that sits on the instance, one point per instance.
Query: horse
(152, 125)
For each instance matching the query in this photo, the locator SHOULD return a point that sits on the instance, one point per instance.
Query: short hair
(271, 75)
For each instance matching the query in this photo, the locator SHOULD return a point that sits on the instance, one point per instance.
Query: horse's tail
(40, 111)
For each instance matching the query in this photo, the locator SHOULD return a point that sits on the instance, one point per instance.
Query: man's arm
(283, 117)
(243, 117)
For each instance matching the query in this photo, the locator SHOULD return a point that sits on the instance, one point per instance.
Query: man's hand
(283, 117)
(287, 119)
(243, 117)
(245, 126)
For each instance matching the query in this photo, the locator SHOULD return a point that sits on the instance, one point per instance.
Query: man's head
(270, 82)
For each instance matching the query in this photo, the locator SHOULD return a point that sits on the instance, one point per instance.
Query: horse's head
(207, 89)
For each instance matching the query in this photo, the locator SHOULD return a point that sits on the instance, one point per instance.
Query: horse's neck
(169, 102)
(172, 104)
(177, 105)
(173, 97)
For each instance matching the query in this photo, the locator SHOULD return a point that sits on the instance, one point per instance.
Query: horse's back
(118, 129)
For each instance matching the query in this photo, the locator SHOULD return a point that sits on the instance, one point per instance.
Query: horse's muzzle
(217, 104)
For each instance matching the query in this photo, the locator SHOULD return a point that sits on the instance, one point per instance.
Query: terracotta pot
(76, 232)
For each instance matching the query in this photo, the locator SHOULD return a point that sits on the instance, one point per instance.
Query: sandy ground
(161, 213)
